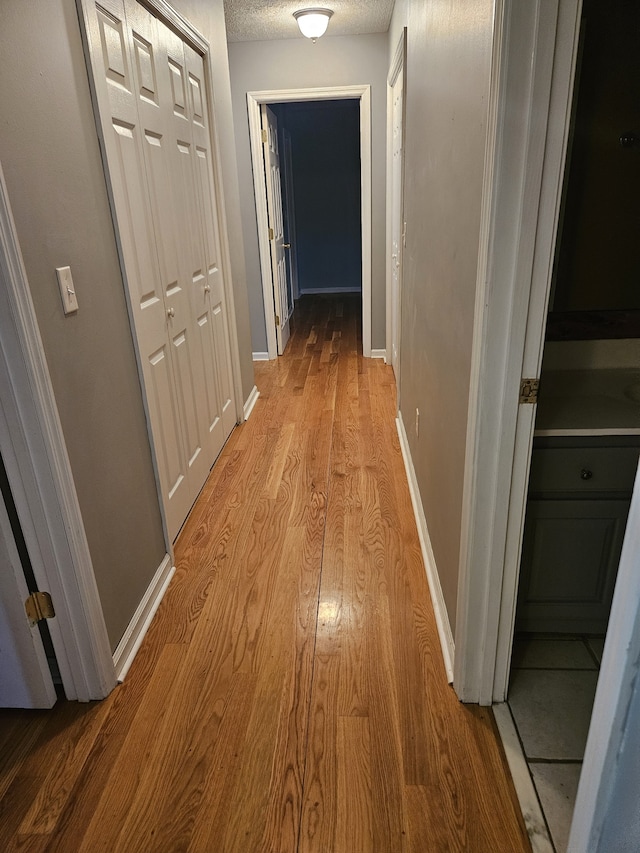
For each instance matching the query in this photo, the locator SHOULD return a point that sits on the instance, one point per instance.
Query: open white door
(25, 679)
(276, 231)
(289, 218)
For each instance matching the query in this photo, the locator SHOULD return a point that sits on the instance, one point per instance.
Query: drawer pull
(586, 474)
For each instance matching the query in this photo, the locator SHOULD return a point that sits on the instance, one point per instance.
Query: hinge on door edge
(39, 606)
(271, 233)
(264, 135)
(277, 320)
(529, 390)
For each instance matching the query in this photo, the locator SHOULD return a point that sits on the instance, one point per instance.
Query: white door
(153, 115)
(289, 218)
(276, 231)
(25, 679)
(396, 219)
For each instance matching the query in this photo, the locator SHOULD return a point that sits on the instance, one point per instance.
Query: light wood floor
(290, 693)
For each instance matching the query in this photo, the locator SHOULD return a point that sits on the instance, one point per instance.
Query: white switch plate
(67, 290)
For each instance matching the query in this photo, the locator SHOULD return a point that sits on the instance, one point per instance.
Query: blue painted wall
(325, 143)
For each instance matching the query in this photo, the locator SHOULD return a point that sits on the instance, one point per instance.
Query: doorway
(319, 145)
(309, 97)
(587, 432)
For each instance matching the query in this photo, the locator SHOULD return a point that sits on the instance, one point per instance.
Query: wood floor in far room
(290, 694)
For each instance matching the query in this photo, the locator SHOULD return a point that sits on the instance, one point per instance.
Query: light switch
(67, 290)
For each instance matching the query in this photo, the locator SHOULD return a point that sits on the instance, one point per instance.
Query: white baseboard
(137, 628)
(525, 790)
(252, 399)
(379, 353)
(437, 598)
(260, 356)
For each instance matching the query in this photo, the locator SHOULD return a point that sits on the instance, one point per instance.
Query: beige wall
(293, 64)
(448, 72)
(51, 160)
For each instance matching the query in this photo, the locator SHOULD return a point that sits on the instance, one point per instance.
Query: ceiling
(263, 20)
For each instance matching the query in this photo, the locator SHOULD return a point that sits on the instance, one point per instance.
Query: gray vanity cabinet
(579, 494)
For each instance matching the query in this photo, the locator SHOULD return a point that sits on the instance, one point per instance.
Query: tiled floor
(553, 683)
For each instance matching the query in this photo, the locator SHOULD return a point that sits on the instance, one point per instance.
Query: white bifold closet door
(153, 110)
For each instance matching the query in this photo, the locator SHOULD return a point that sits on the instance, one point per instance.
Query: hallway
(290, 693)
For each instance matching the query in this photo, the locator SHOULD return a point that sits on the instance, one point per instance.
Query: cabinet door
(570, 557)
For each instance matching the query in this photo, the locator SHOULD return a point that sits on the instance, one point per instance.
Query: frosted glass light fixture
(313, 23)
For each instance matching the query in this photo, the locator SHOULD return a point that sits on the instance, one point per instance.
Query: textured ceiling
(262, 20)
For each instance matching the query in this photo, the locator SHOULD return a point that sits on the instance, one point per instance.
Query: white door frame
(531, 88)
(283, 96)
(41, 480)
(175, 21)
(398, 67)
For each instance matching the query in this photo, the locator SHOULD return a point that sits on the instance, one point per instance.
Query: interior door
(289, 218)
(396, 220)
(209, 300)
(25, 678)
(125, 142)
(276, 231)
(152, 101)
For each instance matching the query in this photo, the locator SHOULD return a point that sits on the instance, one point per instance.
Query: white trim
(379, 353)
(524, 45)
(252, 399)
(254, 101)
(616, 685)
(437, 597)
(33, 447)
(525, 790)
(556, 105)
(138, 626)
(260, 356)
(177, 22)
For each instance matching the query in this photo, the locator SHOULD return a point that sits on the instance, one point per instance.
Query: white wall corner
(379, 353)
(252, 399)
(146, 610)
(437, 597)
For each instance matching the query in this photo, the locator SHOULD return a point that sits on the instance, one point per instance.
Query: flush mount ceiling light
(313, 23)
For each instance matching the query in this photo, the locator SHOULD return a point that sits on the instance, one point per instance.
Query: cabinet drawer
(583, 469)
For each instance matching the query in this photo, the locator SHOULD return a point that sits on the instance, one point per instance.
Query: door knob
(286, 245)
(586, 474)
(207, 288)
(171, 312)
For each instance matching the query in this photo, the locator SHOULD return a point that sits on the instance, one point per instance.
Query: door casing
(39, 473)
(283, 96)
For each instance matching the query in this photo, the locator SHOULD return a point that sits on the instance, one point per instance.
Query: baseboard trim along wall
(260, 356)
(379, 353)
(252, 399)
(137, 628)
(437, 598)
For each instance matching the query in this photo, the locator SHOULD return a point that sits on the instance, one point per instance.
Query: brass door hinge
(277, 320)
(529, 390)
(39, 606)
(264, 135)
(271, 233)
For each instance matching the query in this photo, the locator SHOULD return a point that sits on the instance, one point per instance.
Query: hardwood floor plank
(319, 807)
(290, 694)
(69, 752)
(355, 806)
